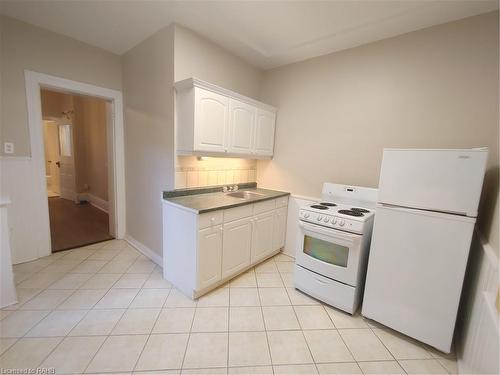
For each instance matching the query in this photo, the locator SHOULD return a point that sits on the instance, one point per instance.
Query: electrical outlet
(8, 147)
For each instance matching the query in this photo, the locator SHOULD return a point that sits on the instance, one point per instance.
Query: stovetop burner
(351, 213)
(328, 204)
(362, 210)
(319, 207)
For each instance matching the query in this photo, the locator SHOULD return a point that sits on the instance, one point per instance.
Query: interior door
(67, 161)
(52, 157)
(242, 127)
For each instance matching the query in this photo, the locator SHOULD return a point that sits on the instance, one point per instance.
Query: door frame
(34, 82)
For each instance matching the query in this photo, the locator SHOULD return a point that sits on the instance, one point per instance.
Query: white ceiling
(265, 33)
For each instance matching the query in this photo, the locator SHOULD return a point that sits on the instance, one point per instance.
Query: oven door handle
(331, 233)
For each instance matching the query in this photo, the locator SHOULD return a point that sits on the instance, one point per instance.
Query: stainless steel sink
(245, 194)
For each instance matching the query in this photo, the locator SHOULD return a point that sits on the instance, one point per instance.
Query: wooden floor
(74, 225)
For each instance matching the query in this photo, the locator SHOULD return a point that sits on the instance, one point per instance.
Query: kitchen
(333, 115)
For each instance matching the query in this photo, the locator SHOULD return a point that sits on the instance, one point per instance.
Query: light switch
(8, 147)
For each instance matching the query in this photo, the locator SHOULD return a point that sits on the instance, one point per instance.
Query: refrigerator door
(437, 180)
(415, 272)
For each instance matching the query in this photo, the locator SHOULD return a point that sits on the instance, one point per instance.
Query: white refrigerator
(424, 222)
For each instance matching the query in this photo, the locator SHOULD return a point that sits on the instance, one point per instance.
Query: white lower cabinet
(209, 256)
(201, 251)
(237, 236)
(262, 235)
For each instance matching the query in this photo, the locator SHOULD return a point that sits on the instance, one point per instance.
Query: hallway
(74, 225)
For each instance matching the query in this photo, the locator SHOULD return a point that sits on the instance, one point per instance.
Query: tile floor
(105, 308)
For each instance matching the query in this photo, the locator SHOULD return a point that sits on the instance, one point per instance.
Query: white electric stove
(336, 232)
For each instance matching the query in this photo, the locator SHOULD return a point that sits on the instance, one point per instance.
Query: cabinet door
(264, 133)
(236, 246)
(211, 121)
(209, 256)
(241, 127)
(262, 235)
(279, 229)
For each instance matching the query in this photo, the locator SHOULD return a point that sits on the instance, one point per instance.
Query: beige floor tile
(299, 298)
(211, 319)
(116, 266)
(78, 254)
(285, 267)
(97, 322)
(273, 297)
(348, 368)
(449, 364)
(46, 300)
(117, 354)
(402, 347)
(281, 257)
(341, 319)
(177, 299)
(20, 322)
(245, 280)
(101, 281)
(31, 267)
(267, 267)
(28, 352)
(381, 367)
(136, 321)
(248, 349)
(422, 366)
(114, 245)
(288, 347)
(89, 266)
(295, 370)
(142, 266)
(6, 344)
(244, 297)
(82, 299)
(206, 350)
(246, 319)
(163, 352)
(269, 280)
(117, 299)
(313, 317)
(73, 354)
(280, 318)
(23, 296)
(174, 320)
(19, 277)
(4, 313)
(61, 266)
(104, 254)
(364, 345)
(131, 280)
(327, 346)
(216, 298)
(204, 371)
(251, 370)
(71, 281)
(57, 323)
(150, 298)
(157, 281)
(40, 280)
(287, 279)
(165, 372)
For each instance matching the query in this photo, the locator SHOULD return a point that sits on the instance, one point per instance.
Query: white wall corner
(146, 251)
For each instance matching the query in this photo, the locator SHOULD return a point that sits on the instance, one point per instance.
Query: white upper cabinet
(264, 132)
(211, 120)
(242, 128)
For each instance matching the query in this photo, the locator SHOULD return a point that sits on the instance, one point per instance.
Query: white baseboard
(95, 201)
(146, 251)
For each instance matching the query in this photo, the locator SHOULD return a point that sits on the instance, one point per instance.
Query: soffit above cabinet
(188, 83)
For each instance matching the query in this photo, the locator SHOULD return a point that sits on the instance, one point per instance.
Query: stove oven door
(330, 252)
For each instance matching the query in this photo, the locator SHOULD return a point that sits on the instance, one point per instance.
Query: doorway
(76, 168)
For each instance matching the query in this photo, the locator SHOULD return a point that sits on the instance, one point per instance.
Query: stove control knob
(334, 220)
(320, 217)
(326, 219)
(306, 215)
(341, 222)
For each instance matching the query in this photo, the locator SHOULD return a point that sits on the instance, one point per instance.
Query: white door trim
(34, 82)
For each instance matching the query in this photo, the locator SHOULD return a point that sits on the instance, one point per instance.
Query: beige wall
(24, 46)
(200, 58)
(89, 138)
(436, 87)
(148, 76)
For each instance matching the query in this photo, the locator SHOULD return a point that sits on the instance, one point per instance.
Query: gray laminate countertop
(212, 201)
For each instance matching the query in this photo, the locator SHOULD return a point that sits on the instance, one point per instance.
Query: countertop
(217, 200)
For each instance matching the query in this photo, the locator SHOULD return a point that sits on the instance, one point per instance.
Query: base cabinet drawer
(209, 256)
(237, 236)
